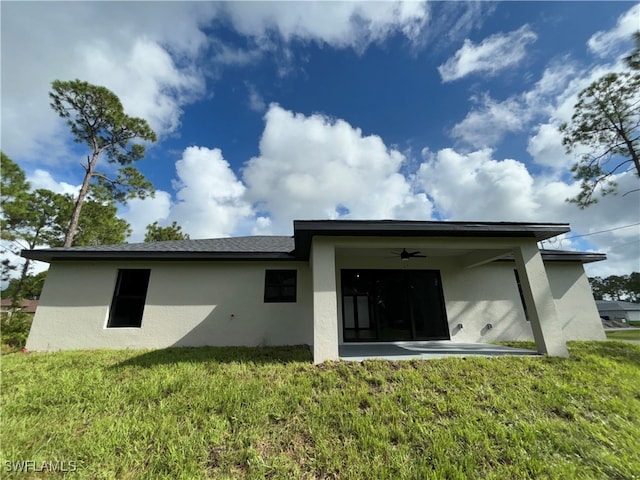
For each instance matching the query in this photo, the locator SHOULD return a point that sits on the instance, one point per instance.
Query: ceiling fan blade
(406, 255)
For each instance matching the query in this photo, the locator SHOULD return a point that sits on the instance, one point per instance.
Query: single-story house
(332, 283)
(28, 305)
(619, 310)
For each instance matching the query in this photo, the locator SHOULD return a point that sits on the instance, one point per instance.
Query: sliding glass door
(392, 305)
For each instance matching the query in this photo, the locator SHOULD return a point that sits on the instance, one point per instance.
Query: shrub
(15, 329)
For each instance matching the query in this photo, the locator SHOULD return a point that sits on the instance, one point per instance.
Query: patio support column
(325, 303)
(541, 306)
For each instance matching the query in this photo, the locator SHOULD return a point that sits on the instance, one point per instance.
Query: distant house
(618, 310)
(28, 306)
(332, 283)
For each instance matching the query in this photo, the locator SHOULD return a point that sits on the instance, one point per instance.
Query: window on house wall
(280, 286)
(524, 305)
(129, 297)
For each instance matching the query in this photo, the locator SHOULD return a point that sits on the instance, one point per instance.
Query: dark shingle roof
(230, 244)
(610, 305)
(255, 247)
(298, 247)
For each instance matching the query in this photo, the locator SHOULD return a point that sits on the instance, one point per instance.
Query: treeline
(617, 287)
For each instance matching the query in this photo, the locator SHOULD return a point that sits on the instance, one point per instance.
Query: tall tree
(14, 190)
(606, 122)
(617, 287)
(633, 287)
(31, 219)
(98, 224)
(31, 287)
(156, 233)
(97, 119)
(633, 59)
(38, 224)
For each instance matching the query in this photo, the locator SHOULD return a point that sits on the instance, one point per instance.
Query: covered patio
(462, 262)
(425, 350)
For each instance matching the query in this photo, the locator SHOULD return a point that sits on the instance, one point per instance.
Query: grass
(624, 335)
(269, 413)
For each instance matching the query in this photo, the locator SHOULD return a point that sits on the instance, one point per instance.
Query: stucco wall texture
(222, 303)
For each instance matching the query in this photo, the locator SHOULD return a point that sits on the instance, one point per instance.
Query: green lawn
(624, 335)
(269, 413)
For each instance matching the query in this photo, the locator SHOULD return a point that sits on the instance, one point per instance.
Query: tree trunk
(636, 160)
(75, 217)
(632, 151)
(16, 301)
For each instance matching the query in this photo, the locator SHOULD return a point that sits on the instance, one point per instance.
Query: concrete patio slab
(424, 350)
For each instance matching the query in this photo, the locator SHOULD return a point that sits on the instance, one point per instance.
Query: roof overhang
(565, 256)
(305, 230)
(47, 255)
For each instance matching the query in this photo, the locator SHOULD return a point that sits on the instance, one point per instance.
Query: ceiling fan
(405, 255)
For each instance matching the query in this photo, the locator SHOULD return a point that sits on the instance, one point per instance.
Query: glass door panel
(356, 301)
(393, 305)
(427, 310)
(390, 301)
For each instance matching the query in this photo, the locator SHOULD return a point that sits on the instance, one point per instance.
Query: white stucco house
(619, 310)
(333, 282)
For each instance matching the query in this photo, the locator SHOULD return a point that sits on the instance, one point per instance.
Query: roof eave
(48, 255)
(583, 257)
(305, 230)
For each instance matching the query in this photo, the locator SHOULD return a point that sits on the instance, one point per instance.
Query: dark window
(280, 286)
(524, 305)
(128, 299)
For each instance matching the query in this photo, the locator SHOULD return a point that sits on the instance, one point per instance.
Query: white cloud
(606, 43)
(453, 21)
(146, 80)
(210, 199)
(475, 186)
(144, 52)
(43, 179)
(225, 55)
(556, 103)
(315, 167)
(490, 120)
(487, 124)
(339, 24)
(545, 147)
(142, 212)
(493, 54)
(256, 102)
(149, 54)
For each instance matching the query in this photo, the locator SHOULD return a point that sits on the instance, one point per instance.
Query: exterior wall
(187, 304)
(577, 311)
(325, 314)
(221, 303)
(467, 293)
(473, 297)
(485, 302)
(619, 310)
(488, 295)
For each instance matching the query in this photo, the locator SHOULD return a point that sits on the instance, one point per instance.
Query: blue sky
(271, 111)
